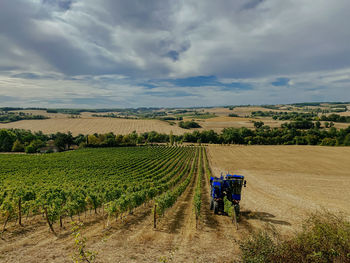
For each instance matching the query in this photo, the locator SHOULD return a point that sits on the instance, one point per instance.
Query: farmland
(146, 120)
(113, 192)
(90, 125)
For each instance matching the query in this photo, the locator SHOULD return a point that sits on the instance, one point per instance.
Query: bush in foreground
(325, 237)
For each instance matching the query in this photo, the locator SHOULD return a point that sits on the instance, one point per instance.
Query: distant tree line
(335, 118)
(297, 133)
(284, 115)
(6, 117)
(297, 116)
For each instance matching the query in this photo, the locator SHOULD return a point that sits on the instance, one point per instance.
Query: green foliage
(189, 124)
(197, 192)
(325, 238)
(335, 118)
(7, 117)
(34, 146)
(329, 142)
(258, 124)
(7, 138)
(228, 208)
(169, 198)
(284, 115)
(17, 146)
(70, 183)
(81, 253)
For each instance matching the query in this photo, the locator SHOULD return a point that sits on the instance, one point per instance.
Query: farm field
(91, 125)
(286, 183)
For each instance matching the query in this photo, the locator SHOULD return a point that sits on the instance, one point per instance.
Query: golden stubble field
(90, 125)
(286, 183)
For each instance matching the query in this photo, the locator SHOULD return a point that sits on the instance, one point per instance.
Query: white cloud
(107, 48)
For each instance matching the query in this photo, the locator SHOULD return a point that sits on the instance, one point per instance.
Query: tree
(7, 138)
(171, 138)
(92, 140)
(347, 140)
(318, 124)
(258, 124)
(17, 146)
(63, 140)
(34, 146)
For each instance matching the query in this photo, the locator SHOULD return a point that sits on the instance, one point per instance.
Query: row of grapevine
(71, 183)
(197, 194)
(132, 200)
(206, 162)
(169, 198)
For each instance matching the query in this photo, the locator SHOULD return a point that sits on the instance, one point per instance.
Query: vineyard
(127, 197)
(101, 181)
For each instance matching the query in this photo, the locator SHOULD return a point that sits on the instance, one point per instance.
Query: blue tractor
(229, 186)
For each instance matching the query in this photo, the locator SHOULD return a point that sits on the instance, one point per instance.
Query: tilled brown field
(286, 183)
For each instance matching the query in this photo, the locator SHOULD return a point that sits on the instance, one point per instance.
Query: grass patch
(325, 237)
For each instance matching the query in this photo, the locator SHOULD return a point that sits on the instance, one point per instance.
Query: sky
(166, 53)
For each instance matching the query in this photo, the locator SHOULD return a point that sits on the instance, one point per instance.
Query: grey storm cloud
(115, 45)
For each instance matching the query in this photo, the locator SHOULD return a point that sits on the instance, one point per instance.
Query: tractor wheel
(211, 204)
(216, 207)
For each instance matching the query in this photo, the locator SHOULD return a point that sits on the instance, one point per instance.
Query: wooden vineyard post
(155, 216)
(20, 211)
(234, 217)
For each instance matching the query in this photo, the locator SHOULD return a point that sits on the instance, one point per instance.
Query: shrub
(189, 124)
(30, 149)
(325, 237)
(17, 146)
(328, 142)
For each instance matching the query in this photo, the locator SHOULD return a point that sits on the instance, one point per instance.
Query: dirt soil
(286, 183)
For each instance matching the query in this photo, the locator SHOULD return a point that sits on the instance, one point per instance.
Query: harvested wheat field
(286, 183)
(94, 125)
(219, 123)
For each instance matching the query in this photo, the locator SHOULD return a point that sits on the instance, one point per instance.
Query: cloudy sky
(117, 53)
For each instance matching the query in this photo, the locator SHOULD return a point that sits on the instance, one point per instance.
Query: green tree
(318, 124)
(258, 124)
(347, 140)
(17, 146)
(171, 138)
(7, 138)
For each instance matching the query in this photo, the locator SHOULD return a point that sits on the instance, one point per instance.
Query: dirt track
(286, 183)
